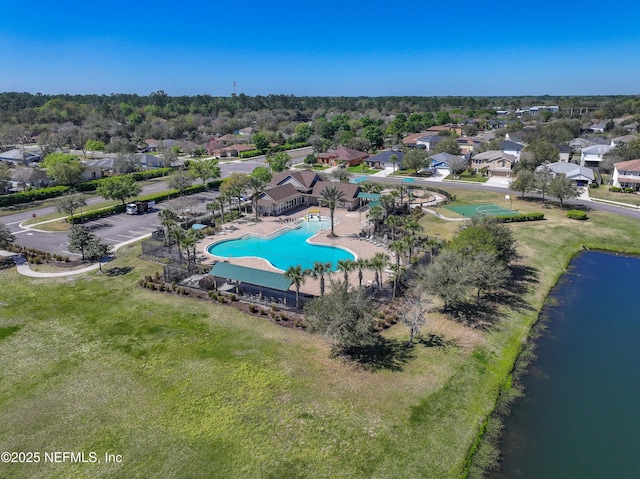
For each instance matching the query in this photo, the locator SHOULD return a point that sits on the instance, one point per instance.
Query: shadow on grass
(434, 341)
(489, 309)
(383, 354)
(118, 271)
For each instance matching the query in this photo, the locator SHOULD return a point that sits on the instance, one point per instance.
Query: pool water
(285, 249)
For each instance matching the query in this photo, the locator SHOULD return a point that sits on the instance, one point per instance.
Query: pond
(580, 417)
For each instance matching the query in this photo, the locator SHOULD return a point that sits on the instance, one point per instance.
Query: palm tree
(387, 202)
(375, 214)
(256, 185)
(361, 264)
(398, 247)
(394, 159)
(346, 266)
(319, 270)
(331, 196)
(297, 275)
(393, 221)
(378, 263)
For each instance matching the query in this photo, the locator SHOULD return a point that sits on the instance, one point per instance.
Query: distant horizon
(229, 95)
(348, 49)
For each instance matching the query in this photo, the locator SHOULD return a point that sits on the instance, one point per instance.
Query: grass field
(186, 388)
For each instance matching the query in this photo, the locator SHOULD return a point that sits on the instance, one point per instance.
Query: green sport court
(471, 211)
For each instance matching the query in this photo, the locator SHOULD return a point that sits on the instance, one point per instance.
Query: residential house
(623, 140)
(592, 156)
(154, 145)
(149, 162)
(20, 157)
(468, 146)
(383, 160)
(232, 151)
(248, 131)
(564, 151)
(441, 163)
(429, 142)
(105, 166)
(411, 139)
(626, 174)
(494, 163)
(599, 127)
(581, 175)
(28, 177)
(512, 148)
(347, 156)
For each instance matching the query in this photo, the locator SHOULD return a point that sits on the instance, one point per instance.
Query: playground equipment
(313, 215)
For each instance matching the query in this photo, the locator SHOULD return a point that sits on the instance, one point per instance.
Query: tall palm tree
(256, 185)
(393, 221)
(378, 262)
(387, 202)
(318, 271)
(297, 275)
(331, 196)
(394, 159)
(398, 247)
(346, 266)
(361, 264)
(375, 215)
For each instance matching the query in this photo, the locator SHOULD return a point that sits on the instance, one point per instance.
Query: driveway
(498, 182)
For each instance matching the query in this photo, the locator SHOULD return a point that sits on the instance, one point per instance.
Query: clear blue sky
(345, 47)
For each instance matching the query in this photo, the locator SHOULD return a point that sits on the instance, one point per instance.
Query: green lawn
(468, 177)
(603, 193)
(359, 169)
(187, 388)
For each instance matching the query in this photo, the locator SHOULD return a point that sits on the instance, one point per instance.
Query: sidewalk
(25, 270)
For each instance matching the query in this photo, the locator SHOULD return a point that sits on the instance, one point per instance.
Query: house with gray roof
(383, 159)
(18, 156)
(429, 142)
(512, 148)
(581, 175)
(592, 156)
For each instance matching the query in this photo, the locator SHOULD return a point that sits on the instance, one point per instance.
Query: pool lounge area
(347, 227)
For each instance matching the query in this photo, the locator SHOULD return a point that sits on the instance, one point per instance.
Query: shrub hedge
(520, 217)
(576, 215)
(33, 195)
(112, 210)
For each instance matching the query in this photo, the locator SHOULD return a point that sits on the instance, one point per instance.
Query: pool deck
(347, 227)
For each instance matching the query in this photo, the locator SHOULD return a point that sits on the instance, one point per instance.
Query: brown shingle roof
(278, 194)
(305, 178)
(633, 165)
(350, 190)
(344, 154)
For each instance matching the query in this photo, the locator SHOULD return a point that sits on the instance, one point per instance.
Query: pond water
(581, 414)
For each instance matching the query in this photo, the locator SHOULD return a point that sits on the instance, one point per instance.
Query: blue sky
(331, 48)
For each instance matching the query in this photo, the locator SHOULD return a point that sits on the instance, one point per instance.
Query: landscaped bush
(249, 153)
(214, 185)
(112, 210)
(576, 215)
(629, 190)
(147, 175)
(615, 189)
(520, 217)
(33, 195)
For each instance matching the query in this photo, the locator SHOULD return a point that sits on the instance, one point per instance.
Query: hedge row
(33, 195)
(576, 215)
(138, 176)
(249, 153)
(113, 210)
(520, 217)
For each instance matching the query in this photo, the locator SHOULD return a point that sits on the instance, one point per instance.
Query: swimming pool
(284, 249)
